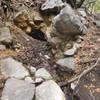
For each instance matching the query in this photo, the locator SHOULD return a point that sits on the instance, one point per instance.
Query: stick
(83, 73)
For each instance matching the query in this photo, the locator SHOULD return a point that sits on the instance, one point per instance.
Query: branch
(81, 75)
(84, 72)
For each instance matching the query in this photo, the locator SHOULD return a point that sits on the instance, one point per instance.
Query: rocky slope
(43, 44)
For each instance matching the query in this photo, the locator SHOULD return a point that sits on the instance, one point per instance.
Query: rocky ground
(45, 47)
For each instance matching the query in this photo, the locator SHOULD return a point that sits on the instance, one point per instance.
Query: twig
(83, 73)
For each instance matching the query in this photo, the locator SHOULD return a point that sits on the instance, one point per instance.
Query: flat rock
(66, 64)
(2, 47)
(52, 5)
(82, 12)
(49, 90)
(70, 52)
(68, 22)
(5, 35)
(43, 73)
(13, 68)
(29, 80)
(16, 89)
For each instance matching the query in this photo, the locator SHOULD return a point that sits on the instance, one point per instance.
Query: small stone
(2, 47)
(77, 45)
(13, 68)
(16, 89)
(32, 70)
(70, 52)
(66, 64)
(82, 12)
(49, 90)
(43, 73)
(52, 5)
(67, 22)
(5, 35)
(72, 86)
(29, 80)
(47, 57)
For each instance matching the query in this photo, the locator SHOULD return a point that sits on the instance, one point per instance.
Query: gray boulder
(49, 90)
(16, 89)
(13, 68)
(5, 35)
(66, 64)
(68, 22)
(43, 73)
(52, 5)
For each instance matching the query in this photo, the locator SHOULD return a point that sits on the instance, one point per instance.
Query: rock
(77, 45)
(49, 90)
(97, 22)
(67, 22)
(70, 52)
(37, 17)
(39, 80)
(66, 64)
(84, 21)
(83, 93)
(73, 86)
(32, 70)
(2, 47)
(47, 57)
(52, 5)
(21, 19)
(29, 80)
(55, 40)
(5, 35)
(82, 12)
(16, 89)
(43, 73)
(13, 68)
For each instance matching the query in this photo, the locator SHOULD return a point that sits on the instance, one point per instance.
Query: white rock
(73, 86)
(82, 12)
(39, 80)
(13, 68)
(49, 90)
(32, 70)
(43, 73)
(68, 22)
(52, 5)
(16, 89)
(29, 80)
(66, 64)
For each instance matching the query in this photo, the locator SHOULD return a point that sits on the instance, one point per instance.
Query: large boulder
(52, 5)
(49, 90)
(13, 68)
(68, 22)
(16, 89)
